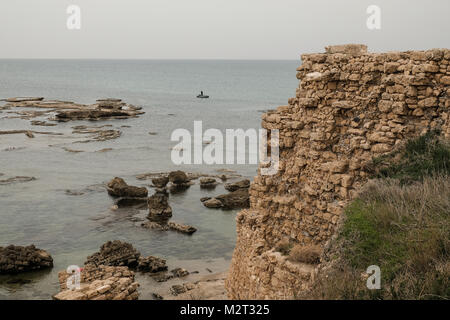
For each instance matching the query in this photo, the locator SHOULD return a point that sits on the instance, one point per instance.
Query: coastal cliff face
(350, 107)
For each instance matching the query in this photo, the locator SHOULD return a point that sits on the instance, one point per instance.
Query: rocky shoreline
(109, 274)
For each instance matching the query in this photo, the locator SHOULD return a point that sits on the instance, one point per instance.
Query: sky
(215, 29)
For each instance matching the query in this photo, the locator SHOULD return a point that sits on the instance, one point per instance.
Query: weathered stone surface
(212, 203)
(350, 106)
(160, 182)
(117, 187)
(208, 183)
(351, 49)
(235, 200)
(180, 272)
(153, 225)
(181, 228)
(178, 177)
(100, 283)
(159, 208)
(115, 253)
(152, 264)
(17, 259)
(243, 184)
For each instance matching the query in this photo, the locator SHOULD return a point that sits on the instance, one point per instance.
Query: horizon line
(158, 59)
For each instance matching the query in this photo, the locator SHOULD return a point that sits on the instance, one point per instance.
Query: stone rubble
(100, 283)
(115, 253)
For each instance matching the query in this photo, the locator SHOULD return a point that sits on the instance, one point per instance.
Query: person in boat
(201, 93)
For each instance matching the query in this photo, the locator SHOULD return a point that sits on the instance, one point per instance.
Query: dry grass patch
(403, 229)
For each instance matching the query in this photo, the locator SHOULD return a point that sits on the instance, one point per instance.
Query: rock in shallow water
(115, 253)
(238, 199)
(235, 200)
(243, 184)
(152, 264)
(159, 208)
(178, 177)
(16, 259)
(117, 187)
(212, 203)
(181, 228)
(160, 182)
(208, 183)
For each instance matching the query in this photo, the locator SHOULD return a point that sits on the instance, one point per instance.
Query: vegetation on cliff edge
(401, 223)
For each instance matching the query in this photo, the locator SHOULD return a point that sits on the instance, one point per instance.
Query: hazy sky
(215, 29)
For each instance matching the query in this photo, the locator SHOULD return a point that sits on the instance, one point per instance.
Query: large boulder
(117, 187)
(179, 180)
(115, 253)
(178, 177)
(16, 259)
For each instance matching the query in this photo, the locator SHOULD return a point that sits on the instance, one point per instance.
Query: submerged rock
(42, 123)
(17, 179)
(137, 203)
(117, 187)
(115, 253)
(16, 259)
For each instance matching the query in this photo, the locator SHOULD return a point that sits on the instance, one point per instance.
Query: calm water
(72, 227)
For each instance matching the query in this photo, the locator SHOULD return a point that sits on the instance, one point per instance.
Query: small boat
(202, 96)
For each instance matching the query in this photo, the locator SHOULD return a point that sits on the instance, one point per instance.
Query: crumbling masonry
(350, 106)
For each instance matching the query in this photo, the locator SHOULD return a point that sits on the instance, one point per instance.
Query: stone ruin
(350, 106)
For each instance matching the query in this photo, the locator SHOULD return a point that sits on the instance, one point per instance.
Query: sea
(67, 210)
